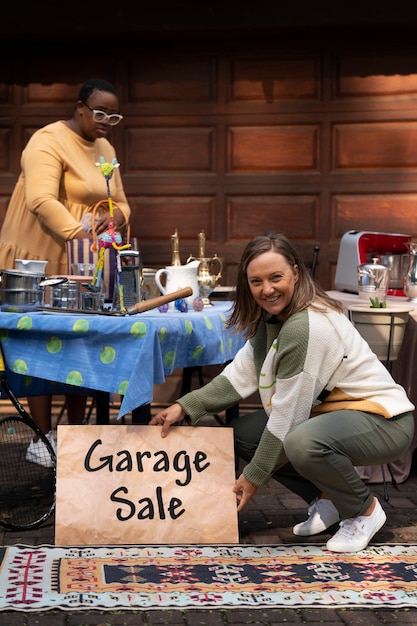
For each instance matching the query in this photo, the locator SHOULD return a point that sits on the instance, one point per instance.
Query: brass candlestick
(175, 244)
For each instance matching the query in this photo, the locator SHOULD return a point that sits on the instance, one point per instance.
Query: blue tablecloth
(55, 353)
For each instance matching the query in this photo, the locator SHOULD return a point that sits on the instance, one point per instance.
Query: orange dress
(57, 186)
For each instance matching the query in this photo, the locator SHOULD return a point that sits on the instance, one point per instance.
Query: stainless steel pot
(21, 288)
(398, 263)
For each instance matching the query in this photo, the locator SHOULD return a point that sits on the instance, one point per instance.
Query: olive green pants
(323, 451)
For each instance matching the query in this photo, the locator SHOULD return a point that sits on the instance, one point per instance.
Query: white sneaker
(38, 453)
(321, 515)
(355, 534)
(51, 438)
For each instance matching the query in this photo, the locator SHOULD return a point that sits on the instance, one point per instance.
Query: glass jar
(66, 295)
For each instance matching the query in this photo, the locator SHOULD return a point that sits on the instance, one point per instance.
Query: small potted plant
(381, 325)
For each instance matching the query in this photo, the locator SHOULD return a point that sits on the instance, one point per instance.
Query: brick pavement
(268, 519)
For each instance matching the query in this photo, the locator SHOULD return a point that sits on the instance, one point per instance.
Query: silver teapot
(373, 280)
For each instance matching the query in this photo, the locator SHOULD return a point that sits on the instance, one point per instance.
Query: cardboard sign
(124, 484)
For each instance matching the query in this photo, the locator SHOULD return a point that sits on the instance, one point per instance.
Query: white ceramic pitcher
(178, 277)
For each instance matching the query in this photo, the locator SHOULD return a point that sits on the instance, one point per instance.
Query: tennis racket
(27, 468)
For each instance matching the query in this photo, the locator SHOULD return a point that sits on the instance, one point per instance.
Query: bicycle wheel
(27, 488)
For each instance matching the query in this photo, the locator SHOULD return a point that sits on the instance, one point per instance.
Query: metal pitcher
(410, 279)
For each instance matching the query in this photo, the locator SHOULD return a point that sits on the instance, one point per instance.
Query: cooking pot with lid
(21, 288)
(373, 280)
(398, 263)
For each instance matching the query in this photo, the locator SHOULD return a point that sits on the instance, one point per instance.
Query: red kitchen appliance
(358, 247)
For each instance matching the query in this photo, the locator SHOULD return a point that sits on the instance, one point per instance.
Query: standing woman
(58, 184)
(328, 402)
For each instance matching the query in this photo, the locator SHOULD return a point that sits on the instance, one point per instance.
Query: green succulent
(378, 304)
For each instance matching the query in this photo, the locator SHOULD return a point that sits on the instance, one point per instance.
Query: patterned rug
(155, 577)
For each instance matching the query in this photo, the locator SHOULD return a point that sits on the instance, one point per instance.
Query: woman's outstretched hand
(244, 491)
(168, 417)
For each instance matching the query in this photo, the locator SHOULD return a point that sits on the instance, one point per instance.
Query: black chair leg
(141, 415)
(232, 413)
(102, 407)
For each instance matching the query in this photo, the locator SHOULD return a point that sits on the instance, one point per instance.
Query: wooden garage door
(312, 138)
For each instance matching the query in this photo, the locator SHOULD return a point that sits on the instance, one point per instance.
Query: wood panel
(380, 76)
(366, 211)
(5, 151)
(272, 148)
(180, 78)
(171, 149)
(249, 214)
(267, 79)
(166, 212)
(375, 145)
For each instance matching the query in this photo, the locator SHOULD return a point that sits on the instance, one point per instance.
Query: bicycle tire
(27, 488)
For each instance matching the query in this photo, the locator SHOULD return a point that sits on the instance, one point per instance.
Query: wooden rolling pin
(153, 303)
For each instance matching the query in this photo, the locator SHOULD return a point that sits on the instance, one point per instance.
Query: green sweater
(291, 364)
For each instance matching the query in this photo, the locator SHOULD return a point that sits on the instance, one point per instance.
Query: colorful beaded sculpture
(110, 238)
